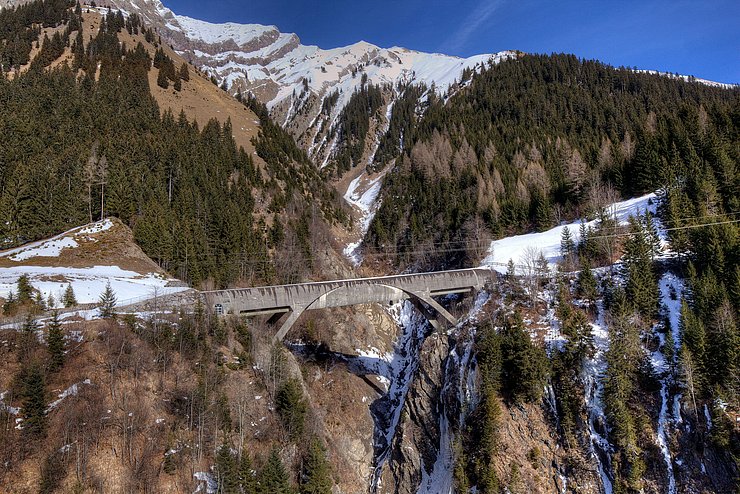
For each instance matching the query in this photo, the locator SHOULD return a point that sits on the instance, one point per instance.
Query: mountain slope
(292, 79)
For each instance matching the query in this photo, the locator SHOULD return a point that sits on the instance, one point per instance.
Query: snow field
(501, 251)
(87, 283)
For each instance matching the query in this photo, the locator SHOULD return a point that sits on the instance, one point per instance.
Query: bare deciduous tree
(530, 265)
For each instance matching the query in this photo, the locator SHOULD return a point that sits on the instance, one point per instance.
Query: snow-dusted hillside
(548, 243)
(87, 258)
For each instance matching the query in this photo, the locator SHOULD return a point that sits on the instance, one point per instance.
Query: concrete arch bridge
(286, 303)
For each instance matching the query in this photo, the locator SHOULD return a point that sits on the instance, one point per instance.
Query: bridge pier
(292, 318)
(428, 315)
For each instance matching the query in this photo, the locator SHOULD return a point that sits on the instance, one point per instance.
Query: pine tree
(178, 85)
(273, 479)
(576, 327)
(29, 335)
(247, 480)
(642, 286)
(567, 245)
(10, 304)
(316, 475)
(291, 407)
(226, 471)
(624, 358)
(510, 270)
(688, 375)
(651, 234)
(586, 283)
(487, 417)
(69, 298)
(34, 403)
(39, 304)
(108, 303)
(735, 289)
(724, 347)
(524, 364)
(184, 73)
(55, 342)
(694, 339)
(25, 289)
(162, 80)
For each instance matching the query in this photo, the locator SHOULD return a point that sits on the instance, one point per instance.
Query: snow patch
(206, 480)
(50, 248)
(70, 391)
(89, 283)
(93, 228)
(364, 197)
(3, 406)
(513, 248)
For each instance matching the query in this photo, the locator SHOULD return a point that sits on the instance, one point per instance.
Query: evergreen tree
(34, 402)
(9, 306)
(688, 376)
(24, 289)
(642, 286)
(316, 474)
(273, 478)
(694, 339)
(723, 367)
(567, 245)
(586, 283)
(510, 270)
(576, 327)
(247, 480)
(39, 304)
(162, 80)
(227, 476)
(184, 73)
(55, 342)
(625, 367)
(108, 303)
(69, 298)
(651, 234)
(29, 335)
(291, 407)
(524, 365)
(735, 289)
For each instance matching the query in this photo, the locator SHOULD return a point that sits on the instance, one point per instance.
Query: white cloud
(471, 24)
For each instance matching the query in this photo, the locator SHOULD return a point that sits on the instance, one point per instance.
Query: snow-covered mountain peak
(240, 34)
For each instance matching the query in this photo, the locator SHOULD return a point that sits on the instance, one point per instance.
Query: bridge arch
(372, 293)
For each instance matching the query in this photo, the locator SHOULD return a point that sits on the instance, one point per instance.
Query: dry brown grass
(112, 247)
(199, 98)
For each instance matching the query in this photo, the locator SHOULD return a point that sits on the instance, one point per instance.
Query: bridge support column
(428, 315)
(441, 311)
(293, 316)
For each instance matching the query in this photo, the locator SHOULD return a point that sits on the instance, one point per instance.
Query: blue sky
(700, 37)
